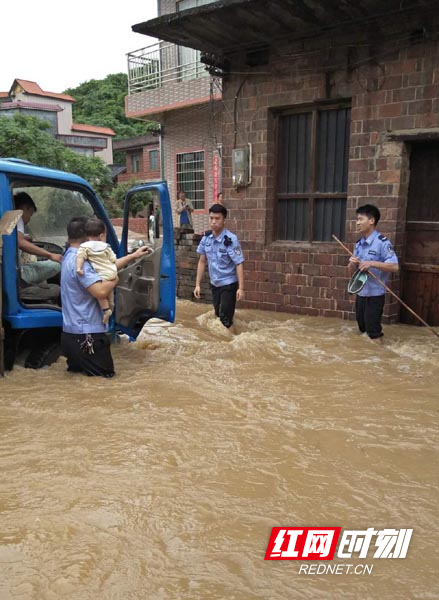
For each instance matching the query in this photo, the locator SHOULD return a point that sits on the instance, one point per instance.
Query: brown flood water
(164, 483)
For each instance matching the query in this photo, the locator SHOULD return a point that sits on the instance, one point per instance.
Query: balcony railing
(161, 63)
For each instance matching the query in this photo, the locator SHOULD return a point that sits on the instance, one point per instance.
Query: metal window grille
(190, 177)
(153, 160)
(313, 174)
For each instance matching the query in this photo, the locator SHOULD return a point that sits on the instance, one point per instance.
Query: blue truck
(31, 316)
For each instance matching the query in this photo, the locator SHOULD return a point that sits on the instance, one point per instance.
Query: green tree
(102, 103)
(138, 201)
(28, 138)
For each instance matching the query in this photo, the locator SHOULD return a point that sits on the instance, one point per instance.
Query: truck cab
(31, 315)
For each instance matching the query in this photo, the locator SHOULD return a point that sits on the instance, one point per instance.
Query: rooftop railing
(156, 65)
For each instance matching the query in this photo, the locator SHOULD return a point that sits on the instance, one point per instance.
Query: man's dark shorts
(99, 363)
(224, 302)
(368, 311)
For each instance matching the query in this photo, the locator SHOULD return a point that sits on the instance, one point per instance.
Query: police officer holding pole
(373, 254)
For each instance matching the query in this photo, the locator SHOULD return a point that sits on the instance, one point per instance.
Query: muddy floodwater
(164, 482)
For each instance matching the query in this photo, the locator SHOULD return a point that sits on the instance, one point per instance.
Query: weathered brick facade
(136, 224)
(397, 92)
(140, 146)
(280, 280)
(193, 129)
(186, 259)
(387, 71)
(189, 110)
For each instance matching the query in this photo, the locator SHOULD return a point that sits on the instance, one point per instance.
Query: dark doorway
(420, 271)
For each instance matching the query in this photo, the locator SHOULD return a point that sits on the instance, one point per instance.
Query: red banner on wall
(216, 171)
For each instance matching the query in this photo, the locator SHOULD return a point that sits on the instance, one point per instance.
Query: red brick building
(142, 158)
(339, 105)
(168, 84)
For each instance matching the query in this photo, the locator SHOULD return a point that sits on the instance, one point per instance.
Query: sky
(60, 45)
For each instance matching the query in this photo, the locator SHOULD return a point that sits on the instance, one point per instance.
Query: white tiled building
(26, 97)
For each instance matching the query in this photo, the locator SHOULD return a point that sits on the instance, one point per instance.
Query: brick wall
(145, 173)
(269, 283)
(186, 259)
(137, 224)
(192, 129)
(398, 90)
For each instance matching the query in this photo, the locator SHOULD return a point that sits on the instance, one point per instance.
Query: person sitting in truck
(38, 271)
(102, 259)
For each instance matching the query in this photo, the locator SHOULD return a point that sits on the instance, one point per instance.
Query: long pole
(389, 290)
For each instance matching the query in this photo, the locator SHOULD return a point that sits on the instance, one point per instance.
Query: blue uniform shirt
(376, 247)
(81, 312)
(223, 254)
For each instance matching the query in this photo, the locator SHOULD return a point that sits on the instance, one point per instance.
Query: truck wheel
(43, 356)
(10, 348)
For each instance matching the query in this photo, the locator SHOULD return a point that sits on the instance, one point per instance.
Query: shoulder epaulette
(208, 232)
(227, 241)
(382, 238)
(358, 241)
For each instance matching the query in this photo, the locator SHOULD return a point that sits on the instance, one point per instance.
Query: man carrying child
(102, 259)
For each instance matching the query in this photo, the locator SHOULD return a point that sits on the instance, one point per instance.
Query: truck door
(146, 287)
(8, 223)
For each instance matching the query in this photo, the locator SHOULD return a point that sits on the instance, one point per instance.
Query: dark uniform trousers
(368, 311)
(224, 302)
(79, 360)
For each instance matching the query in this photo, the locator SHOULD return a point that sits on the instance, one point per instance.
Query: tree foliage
(102, 103)
(138, 201)
(28, 138)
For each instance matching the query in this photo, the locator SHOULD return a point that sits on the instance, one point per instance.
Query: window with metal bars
(312, 175)
(190, 177)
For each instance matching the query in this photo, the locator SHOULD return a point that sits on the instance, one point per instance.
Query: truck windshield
(55, 207)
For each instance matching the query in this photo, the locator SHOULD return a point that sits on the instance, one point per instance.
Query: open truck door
(8, 223)
(30, 319)
(147, 286)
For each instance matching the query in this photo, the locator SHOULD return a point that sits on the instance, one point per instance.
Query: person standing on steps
(184, 208)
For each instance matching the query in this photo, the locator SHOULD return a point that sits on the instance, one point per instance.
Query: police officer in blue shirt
(374, 253)
(84, 339)
(221, 249)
